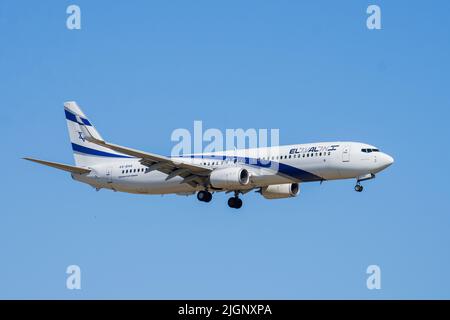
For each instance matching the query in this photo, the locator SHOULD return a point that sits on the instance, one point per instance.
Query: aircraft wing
(60, 166)
(190, 172)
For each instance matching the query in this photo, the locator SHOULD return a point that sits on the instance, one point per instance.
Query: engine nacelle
(227, 178)
(280, 191)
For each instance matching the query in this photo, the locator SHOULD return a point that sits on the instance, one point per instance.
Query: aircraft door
(346, 154)
(109, 175)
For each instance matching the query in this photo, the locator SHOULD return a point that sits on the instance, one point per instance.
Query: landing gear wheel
(359, 188)
(204, 196)
(234, 202)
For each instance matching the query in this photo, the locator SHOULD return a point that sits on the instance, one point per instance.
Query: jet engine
(280, 191)
(229, 178)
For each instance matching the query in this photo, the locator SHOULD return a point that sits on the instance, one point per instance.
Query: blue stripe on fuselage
(93, 152)
(283, 168)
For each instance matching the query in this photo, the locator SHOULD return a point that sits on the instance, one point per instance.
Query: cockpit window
(370, 150)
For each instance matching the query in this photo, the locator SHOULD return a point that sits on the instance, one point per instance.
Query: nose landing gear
(359, 187)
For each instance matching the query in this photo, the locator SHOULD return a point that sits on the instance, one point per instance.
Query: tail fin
(86, 153)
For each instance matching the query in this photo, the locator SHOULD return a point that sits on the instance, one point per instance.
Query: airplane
(275, 172)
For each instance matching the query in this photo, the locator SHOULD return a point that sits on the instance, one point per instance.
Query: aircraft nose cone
(386, 161)
(389, 160)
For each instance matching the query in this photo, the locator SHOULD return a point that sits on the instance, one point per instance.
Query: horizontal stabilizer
(60, 166)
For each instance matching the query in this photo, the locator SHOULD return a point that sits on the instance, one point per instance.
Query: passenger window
(289, 156)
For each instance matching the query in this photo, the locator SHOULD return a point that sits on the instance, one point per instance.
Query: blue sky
(142, 69)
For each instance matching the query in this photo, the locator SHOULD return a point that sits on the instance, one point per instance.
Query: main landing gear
(235, 202)
(204, 196)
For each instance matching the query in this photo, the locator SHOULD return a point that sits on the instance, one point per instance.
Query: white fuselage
(267, 166)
